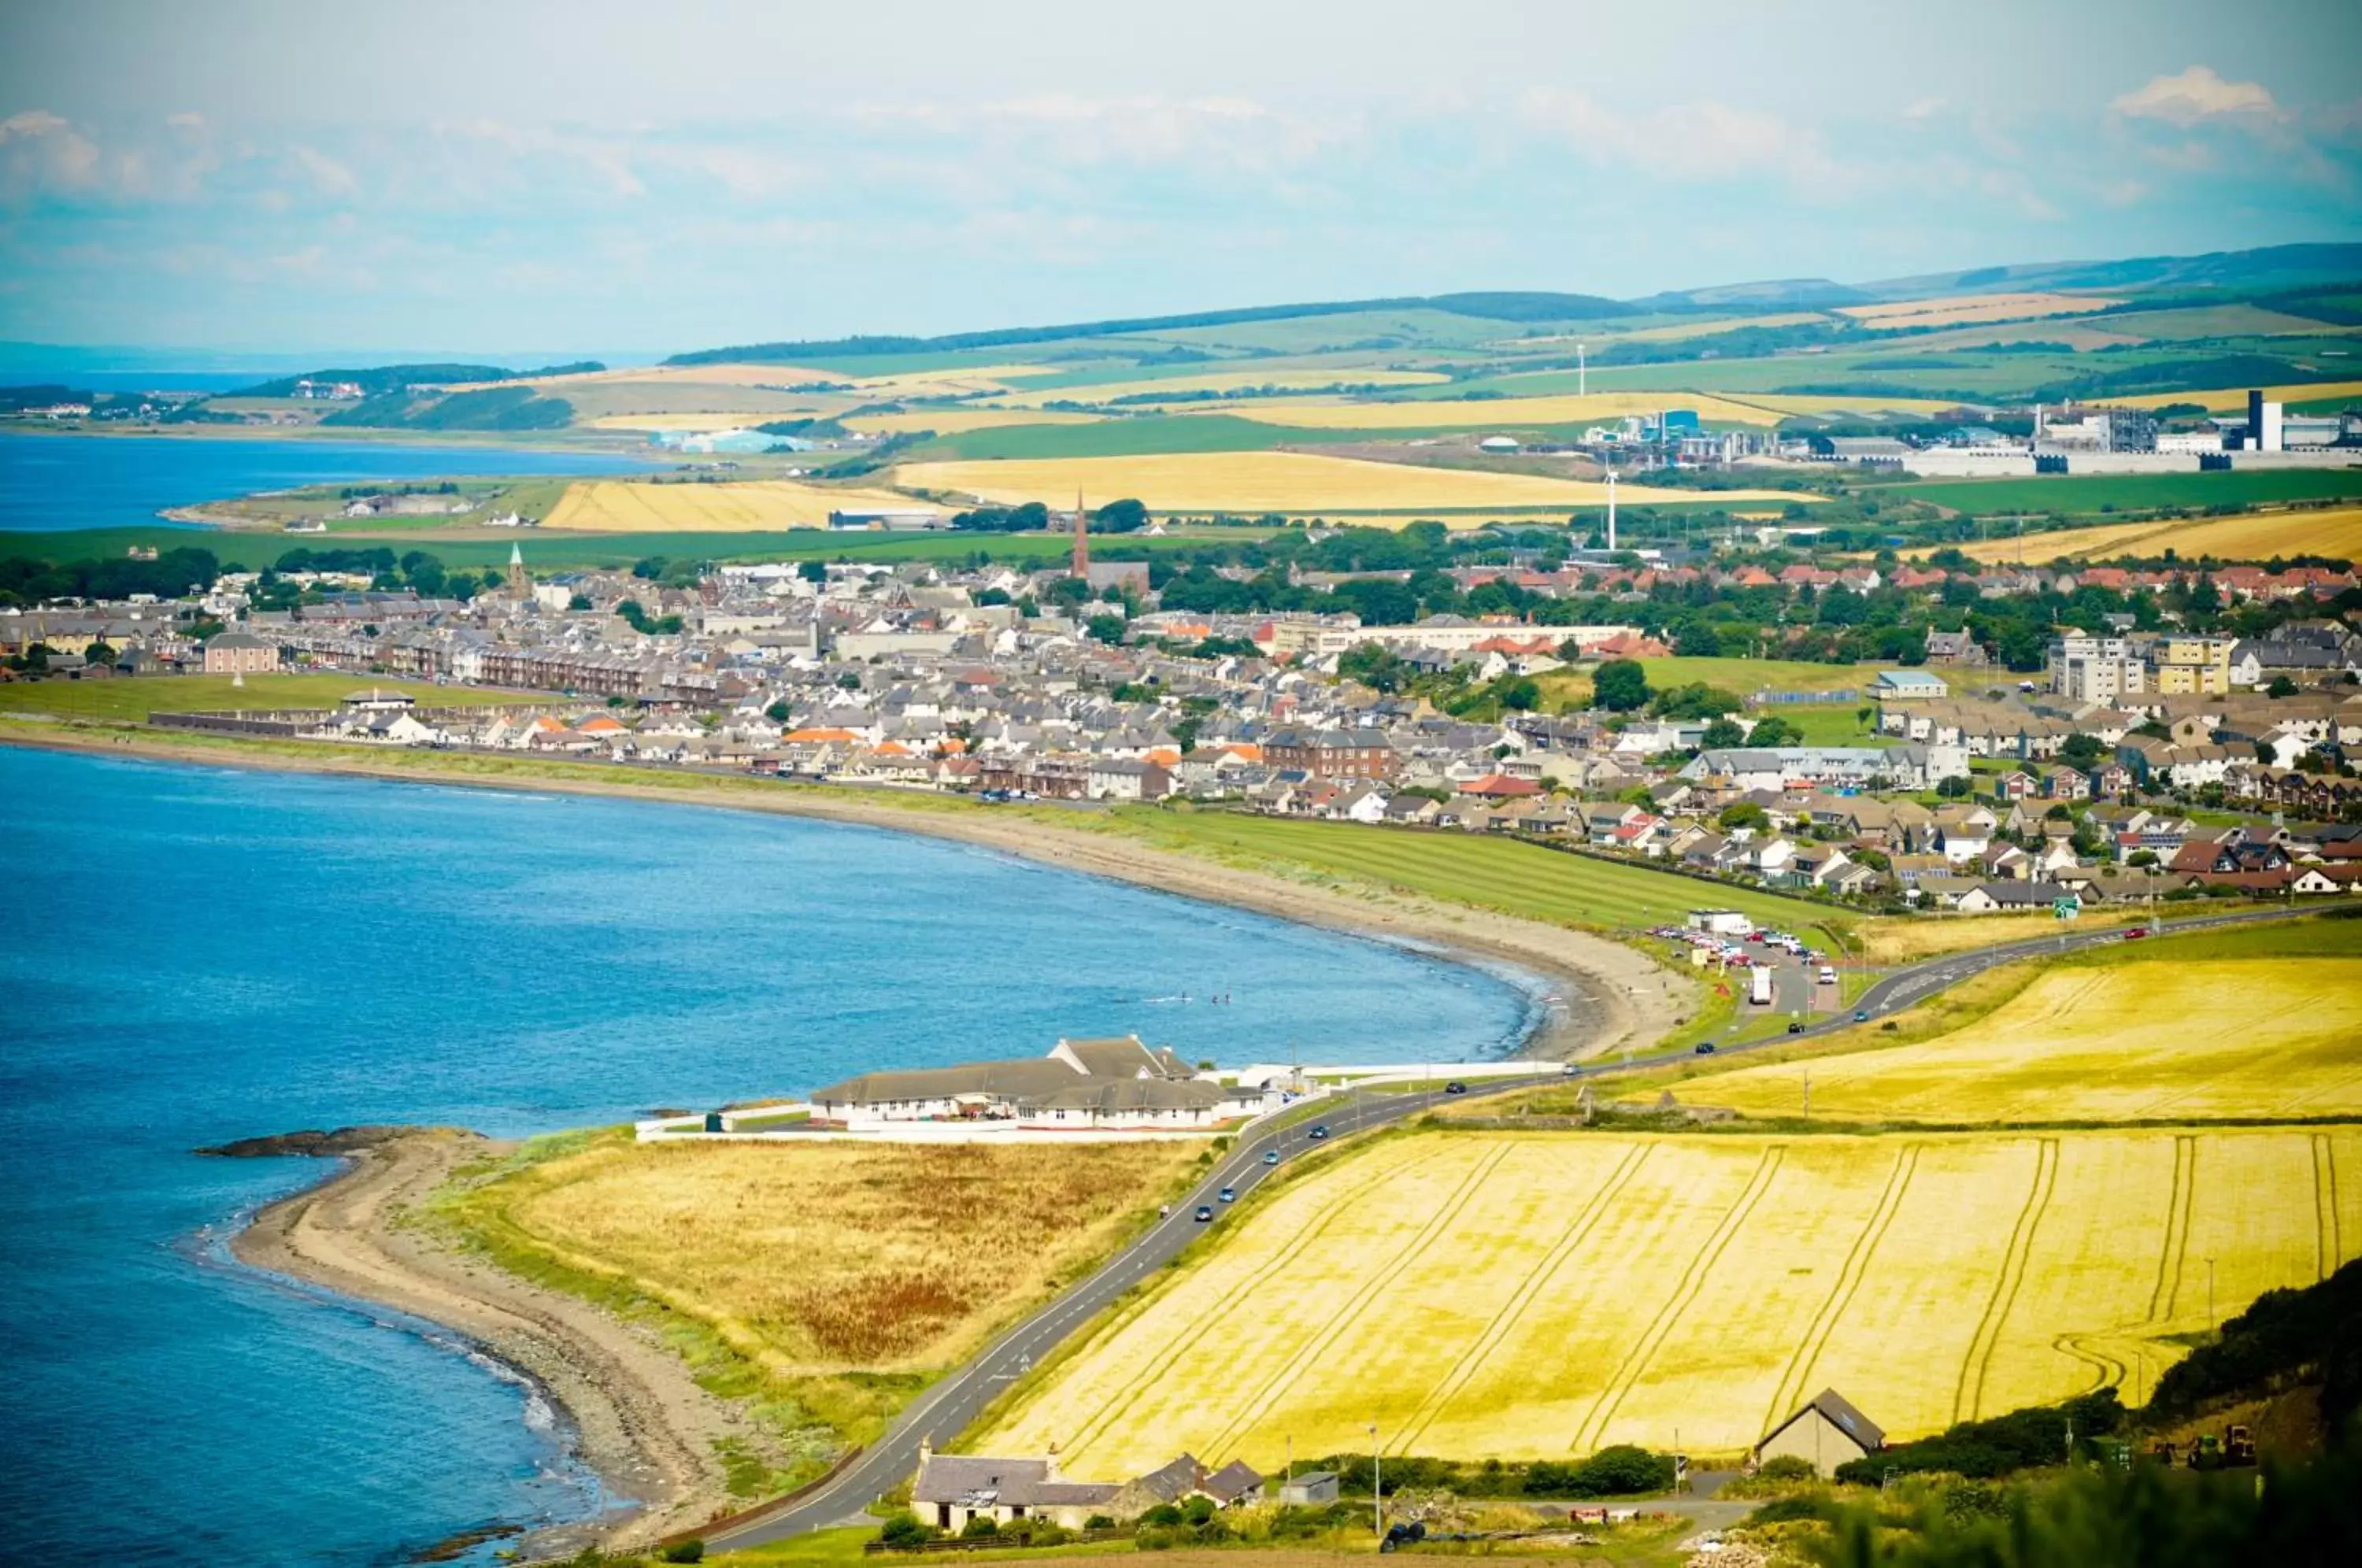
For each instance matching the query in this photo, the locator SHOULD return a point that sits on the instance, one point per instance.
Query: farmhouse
(1825, 1434)
(1117, 1083)
(953, 1488)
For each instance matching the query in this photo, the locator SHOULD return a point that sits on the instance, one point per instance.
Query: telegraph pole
(1378, 1485)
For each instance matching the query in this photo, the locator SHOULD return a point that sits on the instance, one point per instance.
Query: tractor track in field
(1094, 1429)
(1454, 1204)
(1661, 1327)
(1969, 1396)
(2331, 1244)
(1797, 1376)
(2168, 1291)
(1505, 1320)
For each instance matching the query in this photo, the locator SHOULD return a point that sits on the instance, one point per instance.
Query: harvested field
(2257, 536)
(825, 1265)
(958, 420)
(1536, 1296)
(630, 506)
(1960, 310)
(2147, 1042)
(1784, 404)
(1251, 483)
(2234, 400)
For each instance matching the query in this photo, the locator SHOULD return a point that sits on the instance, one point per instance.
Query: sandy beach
(639, 1418)
(642, 1422)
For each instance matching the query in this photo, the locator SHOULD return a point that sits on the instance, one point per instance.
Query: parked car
(1230, 1195)
(1271, 1156)
(1205, 1212)
(1455, 1086)
(1705, 1048)
(1317, 1132)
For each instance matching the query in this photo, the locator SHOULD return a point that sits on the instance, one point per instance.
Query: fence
(1771, 698)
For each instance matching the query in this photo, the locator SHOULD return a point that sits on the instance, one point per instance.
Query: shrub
(690, 1550)
(1164, 1516)
(1621, 1470)
(902, 1532)
(1782, 1510)
(979, 1527)
(1786, 1467)
(1098, 1521)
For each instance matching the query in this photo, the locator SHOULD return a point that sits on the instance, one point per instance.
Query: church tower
(1082, 562)
(520, 582)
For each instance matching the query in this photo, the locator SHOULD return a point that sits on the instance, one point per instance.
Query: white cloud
(2196, 95)
(1924, 108)
(1706, 140)
(330, 177)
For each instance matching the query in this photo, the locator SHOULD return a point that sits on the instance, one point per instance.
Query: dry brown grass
(825, 1257)
(1962, 309)
(1904, 939)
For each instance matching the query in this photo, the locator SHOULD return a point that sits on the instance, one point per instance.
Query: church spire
(520, 585)
(1082, 562)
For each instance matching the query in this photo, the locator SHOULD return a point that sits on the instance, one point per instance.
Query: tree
(1954, 788)
(1621, 686)
(903, 1531)
(1743, 813)
(1774, 732)
(2080, 750)
(812, 572)
(777, 713)
(1724, 733)
(2282, 686)
(98, 653)
(1104, 629)
(580, 602)
(1119, 517)
(979, 1525)
(1376, 666)
(1519, 693)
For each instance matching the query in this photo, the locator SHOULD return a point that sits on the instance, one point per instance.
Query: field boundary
(1277, 1385)
(1969, 1396)
(1636, 1361)
(1586, 1219)
(1798, 1374)
(2328, 1243)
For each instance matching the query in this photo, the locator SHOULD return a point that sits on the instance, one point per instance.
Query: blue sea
(194, 954)
(52, 482)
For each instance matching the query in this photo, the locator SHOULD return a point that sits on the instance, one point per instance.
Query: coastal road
(948, 1408)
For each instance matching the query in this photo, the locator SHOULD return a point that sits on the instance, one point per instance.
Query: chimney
(1050, 1466)
(926, 1447)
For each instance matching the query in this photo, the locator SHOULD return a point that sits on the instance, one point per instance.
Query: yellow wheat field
(1228, 380)
(1962, 310)
(1536, 1296)
(2259, 1039)
(2234, 400)
(1902, 407)
(625, 506)
(1504, 413)
(2255, 536)
(1251, 483)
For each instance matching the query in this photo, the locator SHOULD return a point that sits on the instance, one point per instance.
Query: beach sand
(642, 1422)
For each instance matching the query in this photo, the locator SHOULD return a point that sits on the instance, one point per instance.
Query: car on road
(1271, 1156)
(1205, 1212)
(1861, 1015)
(1795, 1026)
(1230, 1195)
(1318, 1133)
(1705, 1048)
(2134, 934)
(1571, 1071)
(1828, 975)
(1455, 1086)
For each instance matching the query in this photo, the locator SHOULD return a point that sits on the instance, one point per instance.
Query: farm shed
(1825, 1434)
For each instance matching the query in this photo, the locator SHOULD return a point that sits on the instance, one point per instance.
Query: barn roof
(1841, 1412)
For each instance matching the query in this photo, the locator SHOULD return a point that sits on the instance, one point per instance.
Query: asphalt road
(948, 1408)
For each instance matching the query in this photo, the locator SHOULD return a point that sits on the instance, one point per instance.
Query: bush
(1098, 1521)
(1621, 1470)
(1782, 1510)
(1786, 1467)
(1164, 1516)
(902, 1532)
(979, 1527)
(692, 1551)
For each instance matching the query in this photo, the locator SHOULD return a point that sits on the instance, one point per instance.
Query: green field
(2099, 493)
(1514, 878)
(1128, 437)
(1741, 675)
(556, 552)
(135, 698)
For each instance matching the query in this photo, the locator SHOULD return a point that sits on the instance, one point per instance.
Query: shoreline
(1612, 997)
(629, 1407)
(636, 1416)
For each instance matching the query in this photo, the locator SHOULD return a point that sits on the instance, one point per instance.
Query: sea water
(50, 482)
(194, 954)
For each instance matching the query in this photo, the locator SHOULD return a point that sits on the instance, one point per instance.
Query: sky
(505, 180)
